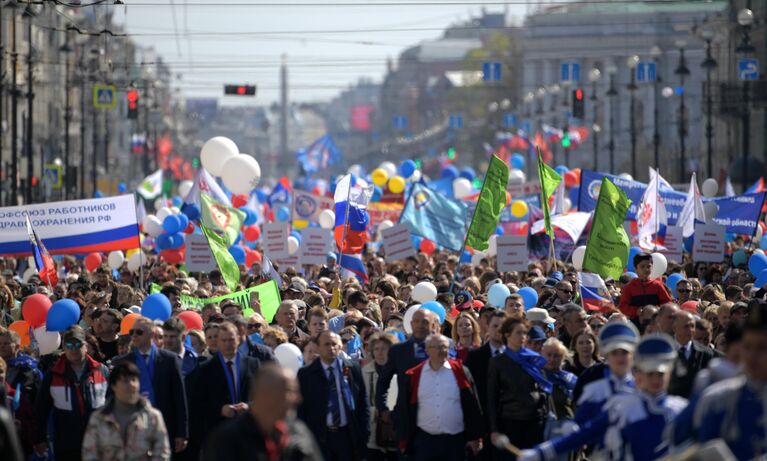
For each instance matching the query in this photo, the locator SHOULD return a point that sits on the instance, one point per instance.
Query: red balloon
(34, 309)
(189, 229)
(239, 200)
(690, 306)
(252, 257)
(508, 198)
(571, 179)
(427, 246)
(92, 261)
(172, 256)
(252, 233)
(191, 319)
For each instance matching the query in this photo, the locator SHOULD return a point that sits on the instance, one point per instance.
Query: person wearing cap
(295, 290)
(72, 389)
(643, 290)
(539, 316)
(738, 311)
(632, 425)
(535, 338)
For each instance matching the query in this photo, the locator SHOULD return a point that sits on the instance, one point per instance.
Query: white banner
(315, 245)
(276, 240)
(397, 242)
(674, 244)
(513, 254)
(571, 223)
(199, 258)
(709, 243)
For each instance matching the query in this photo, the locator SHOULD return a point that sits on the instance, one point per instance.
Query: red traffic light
(240, 90)
(578, 94)
(132, 96)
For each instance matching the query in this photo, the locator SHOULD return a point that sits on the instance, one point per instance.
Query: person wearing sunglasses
(683, 291)
(72, 389)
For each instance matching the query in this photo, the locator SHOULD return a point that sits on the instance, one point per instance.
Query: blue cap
(332, 256)
(655, 352)
(536, 334)
(618, 335)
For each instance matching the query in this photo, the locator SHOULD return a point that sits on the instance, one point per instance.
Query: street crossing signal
(578, 103)
(240, 90)
(132, 104)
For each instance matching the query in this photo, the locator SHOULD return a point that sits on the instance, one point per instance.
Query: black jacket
(240, 439)
(211, 391)
(477, 363)
(169, 392)
(401, 359)
(589, 375)
(314, 406)
(260, 352)
(685, 370)
(512, 394)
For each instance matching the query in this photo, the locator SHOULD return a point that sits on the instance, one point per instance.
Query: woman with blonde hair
(466, 335)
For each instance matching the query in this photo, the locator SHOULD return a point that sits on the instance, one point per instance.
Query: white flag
(692, 211)
(559, 199)
(151, 186)
(651, 216)
(205, 182)
(729, 191)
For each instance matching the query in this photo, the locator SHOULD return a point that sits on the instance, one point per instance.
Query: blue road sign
(570, 72)
(646, 71)
(399, 122)
(748, 69)
(456, 121)
(509, 119)
(491, 71)
(104, 96)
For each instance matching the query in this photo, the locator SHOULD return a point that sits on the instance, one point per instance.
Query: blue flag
(319, 155)
(433, 216)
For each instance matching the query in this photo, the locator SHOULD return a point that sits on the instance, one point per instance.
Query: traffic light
(578, 103)
(240, 90)
(451, 153)
(566, 139)
(132, 104)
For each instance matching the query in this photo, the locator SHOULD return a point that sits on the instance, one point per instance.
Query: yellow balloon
(299, 224)
(519, 209)
(130, 253)
(380, 176)
(396, 185)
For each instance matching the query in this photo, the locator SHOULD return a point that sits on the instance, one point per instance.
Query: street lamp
(632, 62)
(656, 53)
(612, 93)
(745, 20)
(709, 64)
(682, 71)
(67, 51)
(594, 75)
(554, 90)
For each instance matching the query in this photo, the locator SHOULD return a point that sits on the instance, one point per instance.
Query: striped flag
(351, 200)
(43, 261)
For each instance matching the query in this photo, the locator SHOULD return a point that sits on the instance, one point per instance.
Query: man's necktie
(334, 406)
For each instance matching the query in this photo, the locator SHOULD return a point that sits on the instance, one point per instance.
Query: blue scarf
(146, 373)
(233, 384)
(25, 362)
(532, 362)
(563, 380)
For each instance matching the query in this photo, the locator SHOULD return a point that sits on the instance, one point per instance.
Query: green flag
(607, 250)
(226, 263)
(491, 201)
(225, 219)
(549, 180)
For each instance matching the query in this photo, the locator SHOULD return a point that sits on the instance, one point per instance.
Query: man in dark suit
(405, 356)
(334, 402)
(439, 416)
(692, 356)
(223, 382)
(161, 381)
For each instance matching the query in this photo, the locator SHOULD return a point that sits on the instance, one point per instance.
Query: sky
(327, 46)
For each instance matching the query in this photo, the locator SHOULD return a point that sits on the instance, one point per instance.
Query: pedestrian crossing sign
(104, 96)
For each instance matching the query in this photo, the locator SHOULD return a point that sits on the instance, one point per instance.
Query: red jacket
(638, 293)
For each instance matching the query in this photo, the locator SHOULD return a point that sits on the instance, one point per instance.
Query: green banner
(607, 250)
(268, 295)
(225, 261)
(492, 199)
(549, 180)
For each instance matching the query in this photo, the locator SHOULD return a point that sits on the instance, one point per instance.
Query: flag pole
(346, 219)
(141, 254)
(657, 211)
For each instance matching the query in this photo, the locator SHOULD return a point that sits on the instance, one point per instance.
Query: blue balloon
(497, 294)
(499, 230)
(377, 194)
(437, 308)
(183, 222)
(176, 240)
(98, 194)
(739, 258)
(518, 161)
(121, 188)
(757, 263)
(156, 307)
(283, 214)
(416, 241)
(261, 196)
(449, 172)
(177, 201)
(729, 237)
(407, 168)
(761, 280)
(468, 173)
(561, 169)
(238, 253)
(763, 242)
(171, 224)
(297, 235)
(631, 274)
(162, 241)
(251, 216)
(671, 282)
(529, 297)
(632, 252)
(465, 257)
(63, 314)
(192, 212)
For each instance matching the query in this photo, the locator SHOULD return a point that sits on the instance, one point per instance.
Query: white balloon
(175, 210)
(31, 261)
(408, 317)
(477, 257)
(492, 248)
(709, 188)
(659, 265)
(578, 255)
(327, 219)
(461, 187)
(215, 152)
(416, 176)
(389, 168)
(626, 176)
(153, 225)
(135, 261)
(759, 233)
(289, 356)
(385, 224)
(292, 245)
(356, 169)
(163, 213)
(28, 274)
(116, 259)
(517, 177)
(184, 187)
(160, 203)
(759, 250)
(424, 292)
(47, 341)
(568, 204)
(241, 174)
(711, 209)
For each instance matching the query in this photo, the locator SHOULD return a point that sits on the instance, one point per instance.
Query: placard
(397, 242)
(512, 253)
(308, 206)
(709, 243)
(276, 240)
(315, 246)
(289, 261)
(199, 258)
(674, 244)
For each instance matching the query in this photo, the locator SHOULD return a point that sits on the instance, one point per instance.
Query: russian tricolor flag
(351, 231)
(594, 294)
(43, 261)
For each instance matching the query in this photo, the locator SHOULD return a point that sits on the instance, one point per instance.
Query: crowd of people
(655, 374)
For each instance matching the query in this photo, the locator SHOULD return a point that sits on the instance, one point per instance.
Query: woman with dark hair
(517, 390)
(585, 349)
(385, 288)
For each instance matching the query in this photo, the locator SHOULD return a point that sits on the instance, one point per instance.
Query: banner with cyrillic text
(72, 227)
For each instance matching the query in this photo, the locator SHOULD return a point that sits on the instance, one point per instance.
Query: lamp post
(13, 4)
(709, 64)
(67, 51)
(745, 20)
(612, 93)
(29, 14)
(656, 53)
(554, 90)
(594, 75)
(682, 71)
(632, 62)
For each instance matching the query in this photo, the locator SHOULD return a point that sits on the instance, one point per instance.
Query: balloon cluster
(168, 227)
(43, 320)
(386, 176)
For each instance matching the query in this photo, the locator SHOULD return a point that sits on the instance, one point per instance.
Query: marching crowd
(658, 373)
